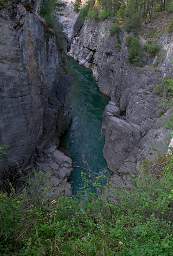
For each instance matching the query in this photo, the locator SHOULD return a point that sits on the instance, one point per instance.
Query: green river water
(84, 141)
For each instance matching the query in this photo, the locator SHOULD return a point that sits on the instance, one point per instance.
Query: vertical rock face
(33, 88)
(67, 17)
(133, 127)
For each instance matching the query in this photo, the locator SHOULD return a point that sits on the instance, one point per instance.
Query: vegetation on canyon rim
(130, 13)
(128, 16)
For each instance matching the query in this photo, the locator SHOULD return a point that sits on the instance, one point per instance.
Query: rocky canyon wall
(34, 107)
(133, 125)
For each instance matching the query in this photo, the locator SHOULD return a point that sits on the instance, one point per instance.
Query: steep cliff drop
(34, 109)
(84, 140)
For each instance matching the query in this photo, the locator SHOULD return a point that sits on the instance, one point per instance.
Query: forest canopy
(131, 12)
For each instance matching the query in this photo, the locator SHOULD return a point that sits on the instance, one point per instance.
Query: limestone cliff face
(133, 126)
(33, 87)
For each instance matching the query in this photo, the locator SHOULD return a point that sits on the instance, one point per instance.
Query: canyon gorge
(36, 101)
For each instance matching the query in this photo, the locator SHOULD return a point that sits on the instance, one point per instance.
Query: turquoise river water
(84, 141)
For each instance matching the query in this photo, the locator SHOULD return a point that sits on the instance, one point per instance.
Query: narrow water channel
(84, 141)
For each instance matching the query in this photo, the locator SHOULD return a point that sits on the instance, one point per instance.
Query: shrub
(168, 86)
(133, 17)
(134, 50)
(158, 89)
(169, 125)
(48, 7)
(3, 3)
(152, 49)
(170, 27)
(77, 5)
(131, 13)
(169, 6)
(115, 31)
(103, 14)
(84, 12)
(93, 14)
(165, 89)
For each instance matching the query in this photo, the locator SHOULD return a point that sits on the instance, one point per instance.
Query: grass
(140, 224)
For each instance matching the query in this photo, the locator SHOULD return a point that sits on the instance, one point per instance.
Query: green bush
(158, 89)
(169, 125)
(48, 7)
(3, 3)
(165, 89)
(103, 14)
(140, 224)
(170, 27)
(168, 86)
(134, 50)
(93, 14)
(131, 13)
(84, 12)
(115, 29)
(169, 6)
(152, 49)
(133, 22)
(77, 5)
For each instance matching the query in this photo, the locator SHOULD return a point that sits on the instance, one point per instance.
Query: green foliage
(77, 5)
(170, 27)
(115, 31)
(48, 7)
(140, 224)
(134, 50)
(3, 3)
(85, 9)
(93, 14)
(3, 151)
(99, 9)
(103, 14)
(133, 17)
(165, 90)
(152, 48)
(168, 87)
(169, 6)
(131, 13)
(169, 124)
